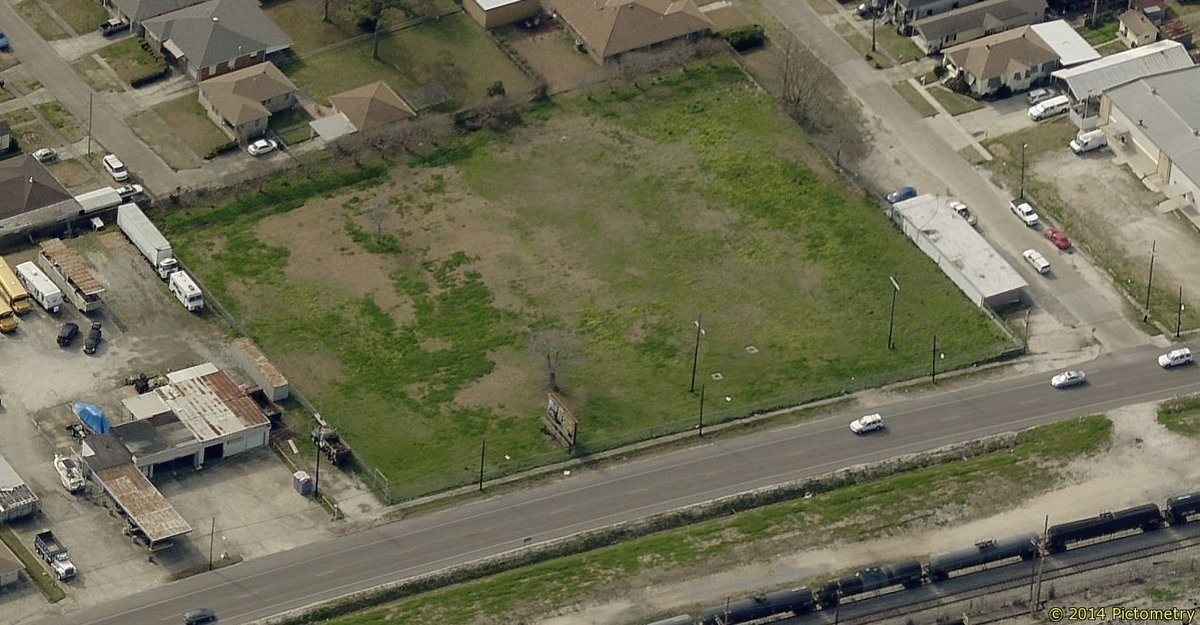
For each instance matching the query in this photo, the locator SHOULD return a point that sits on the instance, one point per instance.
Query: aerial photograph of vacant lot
(423, 306)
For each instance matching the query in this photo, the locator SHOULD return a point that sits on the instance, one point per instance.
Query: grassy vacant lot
(83, 16)
(452, 51)
(179, 131)
(1181, 416)
(915, 99)
(418, 314)
(954, 103)
(974, 487)
(41, 20)
(130, 61)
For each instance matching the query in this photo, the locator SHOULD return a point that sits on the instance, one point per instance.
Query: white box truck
(98, 200)
(41, 288)
(1088, 140)
(149, 241)
(186, 291)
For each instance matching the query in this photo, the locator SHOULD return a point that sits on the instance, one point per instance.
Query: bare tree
(802, 78)
(558, 348)
(378, 214)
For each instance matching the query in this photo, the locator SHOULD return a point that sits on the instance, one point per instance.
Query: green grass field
(903, 502)
(416, 312)
(1181, 416)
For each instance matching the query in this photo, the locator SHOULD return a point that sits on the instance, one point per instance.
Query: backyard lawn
(418, 311)
(453, 52)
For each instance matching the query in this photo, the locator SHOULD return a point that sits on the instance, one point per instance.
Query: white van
(1088, 140)
(1049, 108)
(1039, 262)
(115, 168)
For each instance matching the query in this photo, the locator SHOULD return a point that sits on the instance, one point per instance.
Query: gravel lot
(145, 330)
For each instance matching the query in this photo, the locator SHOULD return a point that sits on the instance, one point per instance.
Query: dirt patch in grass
(41, 20)
(83, 16)
(34, 135)
(96, 75)
(551, 52)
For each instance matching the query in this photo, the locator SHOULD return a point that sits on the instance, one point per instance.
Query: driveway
(910, 152)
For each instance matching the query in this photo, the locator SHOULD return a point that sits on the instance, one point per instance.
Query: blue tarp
(92, 416)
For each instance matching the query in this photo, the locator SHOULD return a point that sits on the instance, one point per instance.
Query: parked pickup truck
(1025, 212)
(55, 554)
(113, 26)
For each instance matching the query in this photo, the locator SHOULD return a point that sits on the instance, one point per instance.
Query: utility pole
(696, 352)
(89, 143)
(482, 451)
(873, 14)
(212, 533)
(701, 411)
(1149, 281)
(317, 479)
(892, 315)
(933, 363)
(1021, 193)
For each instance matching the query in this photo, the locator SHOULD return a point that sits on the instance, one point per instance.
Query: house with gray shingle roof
(977, 20)
(138, 11)
(215, 37)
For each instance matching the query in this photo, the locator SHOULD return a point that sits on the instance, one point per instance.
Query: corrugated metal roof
(1166, 108)
(72, 267)
(1091, 79)
(146, 507)
(14, 493)
(211, 405)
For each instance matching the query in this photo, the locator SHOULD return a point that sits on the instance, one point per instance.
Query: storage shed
(493, 13)
(251, 359)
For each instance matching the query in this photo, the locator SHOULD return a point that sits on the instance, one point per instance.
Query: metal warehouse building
(16, 499)
(959, 251)
(201, 415)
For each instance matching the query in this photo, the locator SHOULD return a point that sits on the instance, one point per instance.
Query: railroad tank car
(1178, 508)
(941, 565)
(1145, 517)
(795, 600)
(907, 574)
(682, 619)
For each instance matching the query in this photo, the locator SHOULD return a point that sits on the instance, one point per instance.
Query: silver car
(1068, 378)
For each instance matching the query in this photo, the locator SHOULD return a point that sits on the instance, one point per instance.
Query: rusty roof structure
(72, 267)
(148, 510)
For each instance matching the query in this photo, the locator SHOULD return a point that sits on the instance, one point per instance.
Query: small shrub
(495, 89)
(744, 37)
(146, 79)
(940, 71)
(228, 146)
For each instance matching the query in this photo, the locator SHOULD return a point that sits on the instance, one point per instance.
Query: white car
(1040, 95)
(115, 167)
(1067, 379)
(1024, 211)
(262, 146)
(1175, 357)
(45, 155)
(130, 190)
(866, 423)
(963, 211)
(1039, 262)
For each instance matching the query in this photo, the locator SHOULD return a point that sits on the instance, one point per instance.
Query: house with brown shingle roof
(26, 185)
(609, 28)
(371, 106)
(1015, 58)
(242, 102)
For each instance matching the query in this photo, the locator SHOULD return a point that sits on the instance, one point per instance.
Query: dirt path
(1144, 463)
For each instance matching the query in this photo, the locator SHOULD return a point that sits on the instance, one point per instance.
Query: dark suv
(67, 334)
(200, 615)
(93, 339)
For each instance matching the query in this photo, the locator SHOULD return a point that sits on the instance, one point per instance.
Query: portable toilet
(302, 483)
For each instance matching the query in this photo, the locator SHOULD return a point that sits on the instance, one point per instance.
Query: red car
(1058, 238)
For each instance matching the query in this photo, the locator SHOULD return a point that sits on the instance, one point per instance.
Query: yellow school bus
(12, 291)
(8, 319)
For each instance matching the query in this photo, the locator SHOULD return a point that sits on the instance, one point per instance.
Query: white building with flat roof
(959, 251)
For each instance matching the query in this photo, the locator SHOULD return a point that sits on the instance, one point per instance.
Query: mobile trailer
(13, 291)
(70, 275)
(41, 288)
(147, 239)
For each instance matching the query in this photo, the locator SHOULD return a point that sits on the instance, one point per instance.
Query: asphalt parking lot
(248, 496)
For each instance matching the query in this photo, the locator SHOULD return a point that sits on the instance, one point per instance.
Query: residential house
(26, 185)
(493, 13)
(1014, 59)
(1158, 117)
(138, 11)
(905, 12)
(607, 29)
(241, 102)
(1136, 29)
(1086, 82)
(371, 106)
(933, 33)
(215, 37)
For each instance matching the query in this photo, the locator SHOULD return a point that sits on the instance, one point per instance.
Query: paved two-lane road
(593, 498)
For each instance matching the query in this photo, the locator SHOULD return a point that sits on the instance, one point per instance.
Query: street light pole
(701, 411)
(892, 314)
(696, 352)
(211, 534)
(1149, 281)
(1021, 194)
